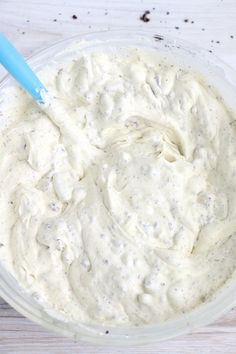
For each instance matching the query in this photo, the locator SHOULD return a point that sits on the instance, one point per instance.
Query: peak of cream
(118, 200)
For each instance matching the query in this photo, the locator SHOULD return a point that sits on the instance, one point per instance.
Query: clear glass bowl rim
(224, 299)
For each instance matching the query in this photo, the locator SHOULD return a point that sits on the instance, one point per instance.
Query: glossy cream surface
(117, 200)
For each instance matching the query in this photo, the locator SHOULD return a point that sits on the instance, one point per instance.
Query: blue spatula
(15, 64)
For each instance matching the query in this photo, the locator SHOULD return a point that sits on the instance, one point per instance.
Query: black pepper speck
(145, 17)
(158, 37)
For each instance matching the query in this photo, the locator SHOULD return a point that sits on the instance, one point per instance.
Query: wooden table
(34, 24)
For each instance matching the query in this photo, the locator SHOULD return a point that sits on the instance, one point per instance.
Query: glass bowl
(223, 78)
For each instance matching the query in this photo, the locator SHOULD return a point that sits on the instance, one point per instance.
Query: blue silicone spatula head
(15, 64)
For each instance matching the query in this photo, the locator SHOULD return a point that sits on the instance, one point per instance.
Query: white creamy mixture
(118, 206)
